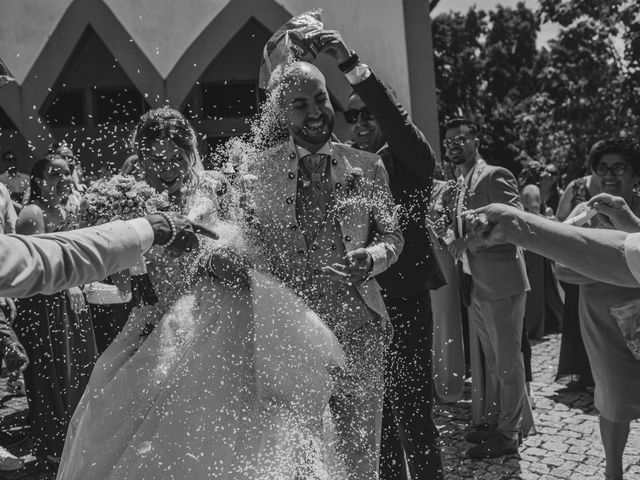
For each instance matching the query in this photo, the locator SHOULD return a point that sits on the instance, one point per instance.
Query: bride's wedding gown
(230, 384)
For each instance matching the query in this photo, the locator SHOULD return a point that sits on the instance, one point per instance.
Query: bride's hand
(229, 267)
(76, 299)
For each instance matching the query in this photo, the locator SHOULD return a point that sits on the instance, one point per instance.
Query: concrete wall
(165, 46)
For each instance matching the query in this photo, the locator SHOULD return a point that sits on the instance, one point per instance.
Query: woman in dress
(543, 311)
(448, 338)
(56, 330)
(219, 379)
(573, 365)
(616, 162)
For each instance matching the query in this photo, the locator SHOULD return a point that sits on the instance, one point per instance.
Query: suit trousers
(357, 405)
(499, 383)
(408, 428)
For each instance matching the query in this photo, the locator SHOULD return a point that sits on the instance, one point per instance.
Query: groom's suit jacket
(367, 224)
(498, 271)
(56, 261)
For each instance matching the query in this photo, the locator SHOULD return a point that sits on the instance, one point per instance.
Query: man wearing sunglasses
(379, 124)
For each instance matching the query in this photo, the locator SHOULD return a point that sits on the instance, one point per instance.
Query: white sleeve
(632, 254)
(144, 231)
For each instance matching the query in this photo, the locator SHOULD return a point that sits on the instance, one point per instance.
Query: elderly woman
(616, 163)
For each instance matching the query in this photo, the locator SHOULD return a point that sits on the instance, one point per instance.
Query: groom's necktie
(314, 167)
(314, 196)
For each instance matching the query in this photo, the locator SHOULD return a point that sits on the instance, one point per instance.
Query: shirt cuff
(632, 254)
(358, 74)
(144, 231)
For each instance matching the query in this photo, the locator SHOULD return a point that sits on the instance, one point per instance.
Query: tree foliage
(547, 103)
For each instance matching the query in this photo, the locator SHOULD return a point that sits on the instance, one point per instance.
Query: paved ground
(567, 445)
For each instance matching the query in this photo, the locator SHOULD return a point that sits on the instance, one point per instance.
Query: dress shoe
(496, 445)
(9, 462)
(481, 433)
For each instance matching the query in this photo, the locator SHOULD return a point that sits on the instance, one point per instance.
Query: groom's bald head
(304, 99)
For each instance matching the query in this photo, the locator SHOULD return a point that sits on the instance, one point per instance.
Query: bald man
(322, 204)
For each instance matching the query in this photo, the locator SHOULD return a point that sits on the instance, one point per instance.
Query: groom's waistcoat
(352, 224)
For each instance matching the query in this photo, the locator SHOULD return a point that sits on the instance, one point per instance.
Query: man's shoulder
(496, 171)
(276, 149)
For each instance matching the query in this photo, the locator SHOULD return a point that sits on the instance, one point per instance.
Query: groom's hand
(358, 265)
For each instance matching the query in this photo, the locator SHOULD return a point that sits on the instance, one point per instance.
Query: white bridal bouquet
(120, 197)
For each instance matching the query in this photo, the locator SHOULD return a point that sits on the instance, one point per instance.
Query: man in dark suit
(379, 124)
(497, 295)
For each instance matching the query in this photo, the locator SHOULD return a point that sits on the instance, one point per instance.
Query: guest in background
(616, 372)
(543, 313)
(8, 215)
(11, 350)
(380, 124)
(550, 190)
(573, 365)
(496, 287)
(56, 329)
(8, 219)
(17, 182)
(448, 334)
(78, 187)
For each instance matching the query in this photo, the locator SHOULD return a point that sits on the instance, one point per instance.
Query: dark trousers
(407, 425)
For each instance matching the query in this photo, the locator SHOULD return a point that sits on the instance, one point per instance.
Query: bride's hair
(167, 123)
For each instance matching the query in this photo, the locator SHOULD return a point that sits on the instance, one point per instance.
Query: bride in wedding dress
(216, 380)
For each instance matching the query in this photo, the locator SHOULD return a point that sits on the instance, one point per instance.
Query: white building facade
(86, 69)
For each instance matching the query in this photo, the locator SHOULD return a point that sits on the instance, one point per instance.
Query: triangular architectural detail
(65, 38)
(215, 37)
(95, 86)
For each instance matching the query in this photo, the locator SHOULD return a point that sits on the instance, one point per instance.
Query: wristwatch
(350, 63)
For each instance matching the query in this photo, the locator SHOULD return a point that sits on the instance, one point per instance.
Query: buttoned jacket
(497, 271)
(363, 206)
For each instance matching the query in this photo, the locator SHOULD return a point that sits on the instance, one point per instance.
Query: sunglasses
(451, 141)
(617, 169)
(351, 116)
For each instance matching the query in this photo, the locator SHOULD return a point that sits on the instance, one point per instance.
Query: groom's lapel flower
(354, 177)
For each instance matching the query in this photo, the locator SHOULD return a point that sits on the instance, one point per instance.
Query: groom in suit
(498, 286)
(328, 227)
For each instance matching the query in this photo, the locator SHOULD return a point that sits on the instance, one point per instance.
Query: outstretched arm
(53, 262)
(603, 255)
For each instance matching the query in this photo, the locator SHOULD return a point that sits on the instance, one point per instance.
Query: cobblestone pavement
(567, 445)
